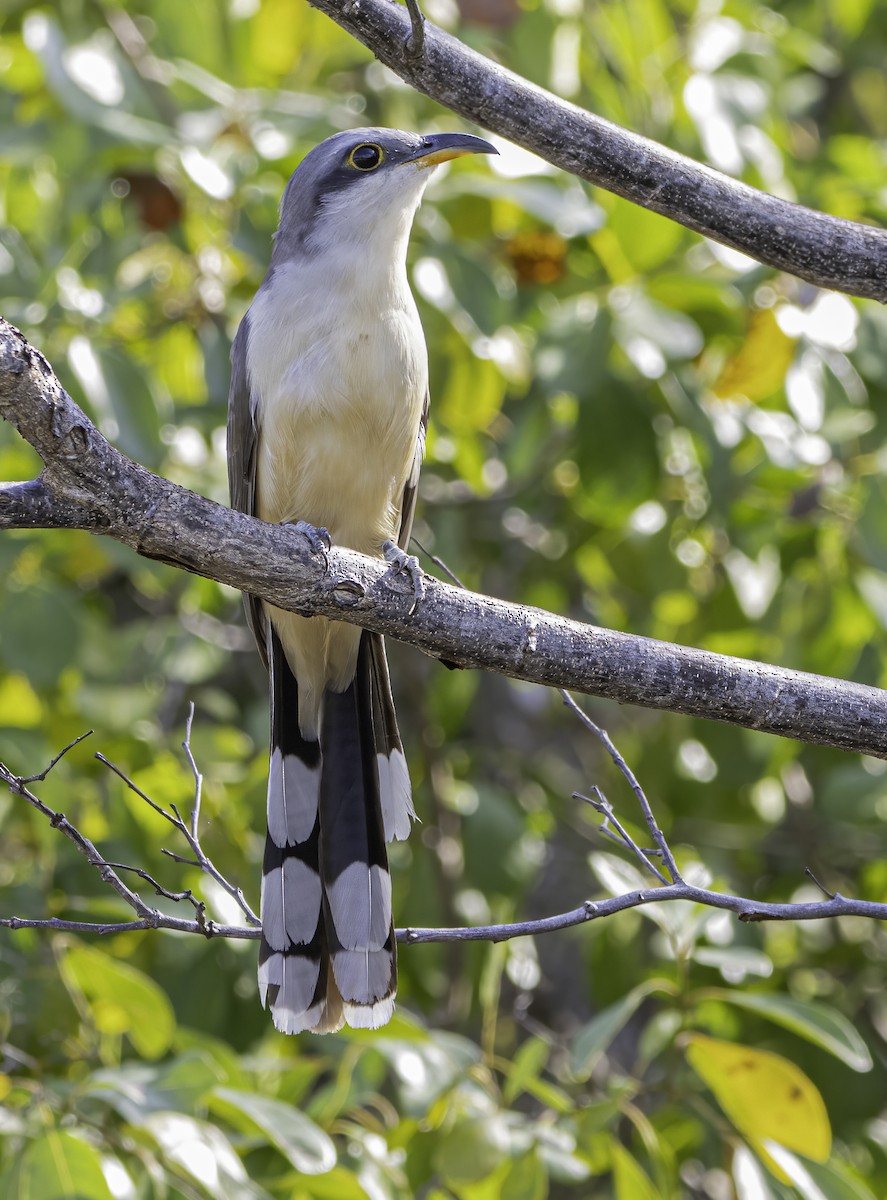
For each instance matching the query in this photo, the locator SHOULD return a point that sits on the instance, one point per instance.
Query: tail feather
(328, 952)
(395, 792)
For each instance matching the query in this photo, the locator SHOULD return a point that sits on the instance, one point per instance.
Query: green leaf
(472, 1149)
(135, 1089)
(296, 1136)
(20, 705)
(528, 1063)
(338, 1184)
(818, 1023)
(204, 1153)
(592, 1040)
(818, 1181)
(645, 238)
(630, 1181)
(527, 1179)
(735, 962)
(60, 1166)
(121, 999)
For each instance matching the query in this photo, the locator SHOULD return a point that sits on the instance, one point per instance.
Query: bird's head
(363, 185)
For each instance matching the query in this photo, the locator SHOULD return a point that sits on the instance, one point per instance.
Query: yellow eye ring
(366, 157)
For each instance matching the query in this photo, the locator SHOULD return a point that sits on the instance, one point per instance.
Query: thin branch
(158, 887)
(746, 910)
(189, 831)
(157, 920)
(824, 890)
(112, 495)
(606, 741)
(439, 562)
(133, 787)
(61, 754)
(601, 804)
(85, 847)
(198, 778)
(828, 251)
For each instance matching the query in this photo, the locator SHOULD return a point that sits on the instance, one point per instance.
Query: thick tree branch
(828, 251)
(87, 484)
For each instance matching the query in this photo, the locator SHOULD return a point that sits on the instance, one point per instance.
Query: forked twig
(189, 830)
(604, 738)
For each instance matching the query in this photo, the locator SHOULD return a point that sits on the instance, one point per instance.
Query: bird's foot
(317, 537)
(406, 564)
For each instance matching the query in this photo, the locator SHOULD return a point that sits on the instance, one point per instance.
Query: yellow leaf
(759, 366)
(20, 706)
(276, 30)
(766, 1097)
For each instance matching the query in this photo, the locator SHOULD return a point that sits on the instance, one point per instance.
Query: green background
(631, 426)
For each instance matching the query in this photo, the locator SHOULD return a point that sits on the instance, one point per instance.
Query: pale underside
(339, 400)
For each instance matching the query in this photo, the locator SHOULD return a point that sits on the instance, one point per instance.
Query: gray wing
(243, 439)
(410, 491)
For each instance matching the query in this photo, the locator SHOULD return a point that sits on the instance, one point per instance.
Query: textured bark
(828, 251)
(87, 484)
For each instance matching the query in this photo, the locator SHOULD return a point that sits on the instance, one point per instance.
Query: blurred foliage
(631, 426)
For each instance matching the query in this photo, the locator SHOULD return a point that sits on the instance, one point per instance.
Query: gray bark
(828, 251)
(87, 484)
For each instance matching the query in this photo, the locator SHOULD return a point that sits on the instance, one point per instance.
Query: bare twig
(601, 804)
(605, 740)
(189, 830)
(439, 562)
(198, 778)
(61, 754)
(57, 820)
(746, 910)
(158, 887)
(823, 889)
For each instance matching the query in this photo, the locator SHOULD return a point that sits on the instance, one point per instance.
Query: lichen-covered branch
(87, 484)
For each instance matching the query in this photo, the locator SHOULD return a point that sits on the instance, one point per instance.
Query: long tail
(328, 953)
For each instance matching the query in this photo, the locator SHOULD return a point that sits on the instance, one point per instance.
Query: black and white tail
(328, 954)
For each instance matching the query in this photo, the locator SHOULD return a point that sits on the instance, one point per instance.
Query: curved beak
(441, 147)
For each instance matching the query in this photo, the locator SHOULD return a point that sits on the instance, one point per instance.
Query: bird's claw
(317, 537)
(406, 564)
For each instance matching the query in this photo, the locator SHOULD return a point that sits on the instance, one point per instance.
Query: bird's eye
(366, 157)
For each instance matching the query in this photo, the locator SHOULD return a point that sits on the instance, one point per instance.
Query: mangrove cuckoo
(326, 429)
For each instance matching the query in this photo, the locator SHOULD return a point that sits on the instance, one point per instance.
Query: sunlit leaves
(303, 1143)
(56, 1166)
(121, 999)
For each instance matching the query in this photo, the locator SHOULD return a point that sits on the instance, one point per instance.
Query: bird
(327, 414)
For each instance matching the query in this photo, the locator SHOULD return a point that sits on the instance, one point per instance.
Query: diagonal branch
(88, 484)
(828, 251)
